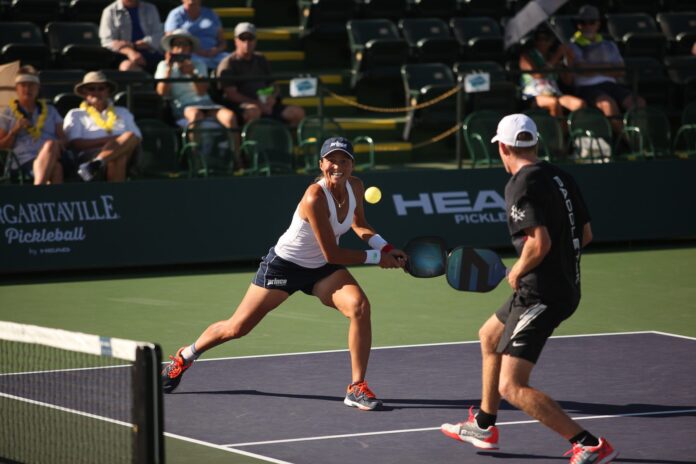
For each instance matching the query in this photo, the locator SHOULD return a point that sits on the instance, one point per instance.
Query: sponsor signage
(161, 222)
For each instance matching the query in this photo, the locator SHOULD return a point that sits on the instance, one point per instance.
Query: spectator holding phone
(190, 100)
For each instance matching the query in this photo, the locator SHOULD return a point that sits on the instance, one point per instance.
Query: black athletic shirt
(541, 194)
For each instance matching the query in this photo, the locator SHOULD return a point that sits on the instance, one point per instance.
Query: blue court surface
(637, 389)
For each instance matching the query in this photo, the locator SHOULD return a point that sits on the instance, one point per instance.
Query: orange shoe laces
(363, 388)
(177, 366)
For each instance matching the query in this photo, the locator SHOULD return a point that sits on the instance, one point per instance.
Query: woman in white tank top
(308, 257)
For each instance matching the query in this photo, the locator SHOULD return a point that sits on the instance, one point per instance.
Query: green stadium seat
(389, 9)
(480, 38)
(431, 8)
(159, 151)
(377, 53)
(491, 8)
(682, 71)
(39, 12)
(144, 104)
(637, 34)
(424, 82)
(648, 134)
(20, 40)
(680, 30)
(65, 102)
(268, 145)
(551, 141)
(430, 40)
(56, 81)
(590, 136)
(685, 138)
(86, 10)
(208, 149)
(478, 129)
(77, 45)
(651, 79)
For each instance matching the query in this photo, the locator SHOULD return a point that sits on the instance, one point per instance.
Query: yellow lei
(33, 130)
(107, 125)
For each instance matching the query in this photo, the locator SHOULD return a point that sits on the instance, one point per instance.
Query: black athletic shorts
(590, 93)
(279, 274)
(528, 325)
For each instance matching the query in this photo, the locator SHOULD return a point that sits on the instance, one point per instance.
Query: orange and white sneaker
(603, 453)
(360, 396)
(470, 432)
(173, 371)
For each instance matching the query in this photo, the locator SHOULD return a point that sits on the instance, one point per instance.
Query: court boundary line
(428, 429)
(418, 345)
(64, 409)
(226, 449)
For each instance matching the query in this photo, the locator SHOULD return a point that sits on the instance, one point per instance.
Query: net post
(148, 417)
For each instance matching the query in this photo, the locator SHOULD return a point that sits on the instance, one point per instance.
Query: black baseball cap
(337, 144)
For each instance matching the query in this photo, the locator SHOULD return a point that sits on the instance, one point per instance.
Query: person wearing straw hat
(190, 100)
(104, 136)
(33, 130)
(204, 24)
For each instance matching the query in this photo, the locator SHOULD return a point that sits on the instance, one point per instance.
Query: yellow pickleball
(373, 195)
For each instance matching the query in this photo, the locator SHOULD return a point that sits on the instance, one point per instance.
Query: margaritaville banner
(142, 223)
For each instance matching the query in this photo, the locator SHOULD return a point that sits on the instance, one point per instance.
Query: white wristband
(372, 256)
(376, 242)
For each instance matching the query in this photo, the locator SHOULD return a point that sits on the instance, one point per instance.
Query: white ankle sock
(189, 353)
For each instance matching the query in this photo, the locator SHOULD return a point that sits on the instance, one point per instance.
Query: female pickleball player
(307, 257)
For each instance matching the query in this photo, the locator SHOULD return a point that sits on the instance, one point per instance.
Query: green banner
(142, 223)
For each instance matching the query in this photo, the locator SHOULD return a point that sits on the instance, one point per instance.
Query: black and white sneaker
(89, 170)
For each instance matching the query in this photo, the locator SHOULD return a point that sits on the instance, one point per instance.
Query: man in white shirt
(104, 136)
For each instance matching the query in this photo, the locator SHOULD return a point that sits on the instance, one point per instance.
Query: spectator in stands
(33, 130)
(202, 23)
(191, 101)
(133, 29)
(544, 87)
(104, 136)
(600, 88)
(252, 99)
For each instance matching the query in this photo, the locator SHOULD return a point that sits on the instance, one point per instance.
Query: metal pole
(460, 106)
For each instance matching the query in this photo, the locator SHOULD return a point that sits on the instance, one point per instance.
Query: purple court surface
(637, 389)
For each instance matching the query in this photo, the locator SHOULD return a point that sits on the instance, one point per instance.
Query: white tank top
(299, 245)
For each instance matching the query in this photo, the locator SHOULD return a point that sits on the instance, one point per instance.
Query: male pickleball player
(549, 225)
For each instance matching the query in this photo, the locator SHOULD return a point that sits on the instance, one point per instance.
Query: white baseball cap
(513, 125)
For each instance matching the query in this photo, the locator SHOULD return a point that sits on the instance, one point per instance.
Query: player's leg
(257, 302)
(515, 388)
(341, 291)
(489, 335)
(480, 429)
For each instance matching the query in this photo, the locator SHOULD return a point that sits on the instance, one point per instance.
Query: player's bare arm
(535, 249)
(586, 234)
(365, 231)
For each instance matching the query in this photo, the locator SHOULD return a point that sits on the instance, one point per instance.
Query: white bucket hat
(180, 34)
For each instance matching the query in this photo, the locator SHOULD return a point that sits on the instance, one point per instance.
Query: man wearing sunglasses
(252, 98)
(105, 137)
(598, 86)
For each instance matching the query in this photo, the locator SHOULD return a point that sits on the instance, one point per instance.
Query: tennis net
(69, 397)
